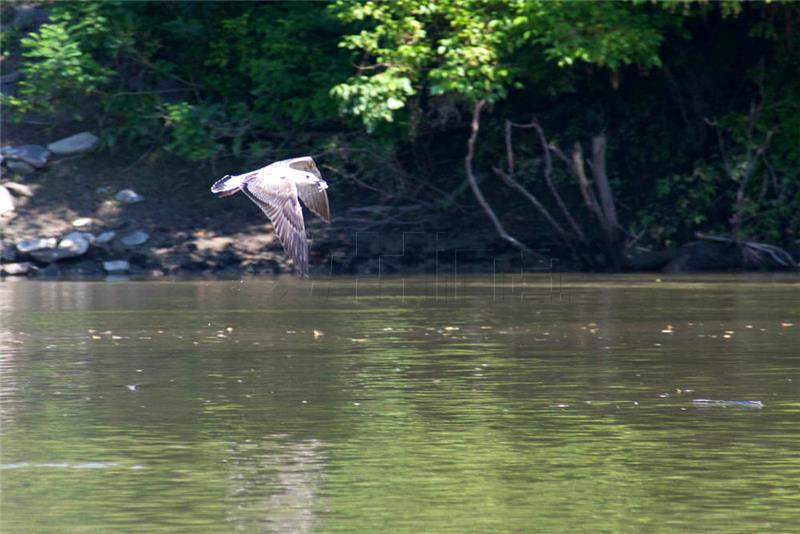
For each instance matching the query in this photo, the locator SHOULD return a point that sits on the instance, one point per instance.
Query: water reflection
(275, 485)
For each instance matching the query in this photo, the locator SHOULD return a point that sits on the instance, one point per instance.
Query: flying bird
(276, 189)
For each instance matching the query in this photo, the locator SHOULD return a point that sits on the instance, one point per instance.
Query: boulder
(20, 167)
(51, 271)
(8, 253)
(76, 243)
(16, 269)
(75, 144)
(27, 246)
(35, 155)
(84, 267)
(129, 196)
(6, 201)
(116, 266)
(105, 237)
(51, 255)
(73, 244)
(135, 238)
(89, 236)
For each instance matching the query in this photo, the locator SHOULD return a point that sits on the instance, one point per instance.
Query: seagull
(275, 189)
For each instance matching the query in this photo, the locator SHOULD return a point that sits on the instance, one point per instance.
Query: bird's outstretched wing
(306, 163)
(277, 198)
(313, 196)
(315, 199)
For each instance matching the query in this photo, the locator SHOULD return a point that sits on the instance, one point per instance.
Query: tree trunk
(609, 222)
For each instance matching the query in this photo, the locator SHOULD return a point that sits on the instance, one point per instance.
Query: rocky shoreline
(63, 216)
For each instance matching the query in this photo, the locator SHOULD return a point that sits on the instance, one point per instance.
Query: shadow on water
(419, 404)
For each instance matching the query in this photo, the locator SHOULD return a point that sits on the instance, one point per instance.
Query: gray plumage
(276, 189)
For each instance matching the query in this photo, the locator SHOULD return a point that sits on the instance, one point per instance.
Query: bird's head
(227, 185)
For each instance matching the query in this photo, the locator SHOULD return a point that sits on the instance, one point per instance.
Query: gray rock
(8, 253)
(51, 271)
(103, 190)
(16, 269)
(35, 155)
(20, 189)
(51, 255)
(20, 167)
(6, 200)
(105, 237)
(73, 244)
(77, 243)
(129, 196)
(84, 267)
(89, 236)
(83, 222)
(37, 243)
(75, 144)
(135, 238)
(116, 266)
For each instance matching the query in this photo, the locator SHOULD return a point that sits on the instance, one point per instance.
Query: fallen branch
(756, 249)
(548, 178)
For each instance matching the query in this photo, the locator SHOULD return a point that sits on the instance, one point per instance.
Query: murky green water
(517, 406)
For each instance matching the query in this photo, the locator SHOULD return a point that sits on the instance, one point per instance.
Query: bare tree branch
(511, 182)
(583, 182)
(473, 182)
(548, 178)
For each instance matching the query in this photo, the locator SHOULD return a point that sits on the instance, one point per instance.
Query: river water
(517, 404)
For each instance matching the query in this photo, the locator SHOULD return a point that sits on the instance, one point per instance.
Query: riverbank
(145, 212)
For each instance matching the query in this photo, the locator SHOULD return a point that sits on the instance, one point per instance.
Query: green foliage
(685, 203)
(213, 77)
(479, 50)
(60, 61)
